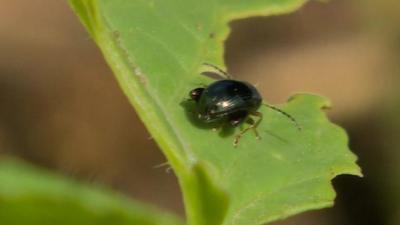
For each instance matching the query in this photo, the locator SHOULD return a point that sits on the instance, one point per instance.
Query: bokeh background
(61, 108)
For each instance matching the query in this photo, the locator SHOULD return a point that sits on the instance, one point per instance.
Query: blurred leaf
(32, 196)
(156, 49)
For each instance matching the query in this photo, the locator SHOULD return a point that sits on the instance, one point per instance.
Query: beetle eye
(196, 93)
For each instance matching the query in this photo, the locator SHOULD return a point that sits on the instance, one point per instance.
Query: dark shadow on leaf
(272, 134)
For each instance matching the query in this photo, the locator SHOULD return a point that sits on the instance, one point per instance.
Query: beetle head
(196, 93)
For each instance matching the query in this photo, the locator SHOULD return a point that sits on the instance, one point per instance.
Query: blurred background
(61, 108)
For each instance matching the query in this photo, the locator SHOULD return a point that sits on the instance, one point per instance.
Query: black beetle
(231, 101)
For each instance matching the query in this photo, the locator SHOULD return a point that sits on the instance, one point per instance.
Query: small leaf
(156, 49)
(32, 196)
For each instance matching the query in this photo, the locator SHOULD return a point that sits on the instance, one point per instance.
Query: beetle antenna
(219, 70)
(285, 114)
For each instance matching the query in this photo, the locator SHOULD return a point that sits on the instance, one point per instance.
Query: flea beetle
(232, 102)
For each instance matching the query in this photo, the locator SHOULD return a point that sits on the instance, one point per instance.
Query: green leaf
(32, 196)
(156, 49)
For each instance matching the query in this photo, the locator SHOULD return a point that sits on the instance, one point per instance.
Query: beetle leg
(252, 122)
(251, 127)
(260, 117)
